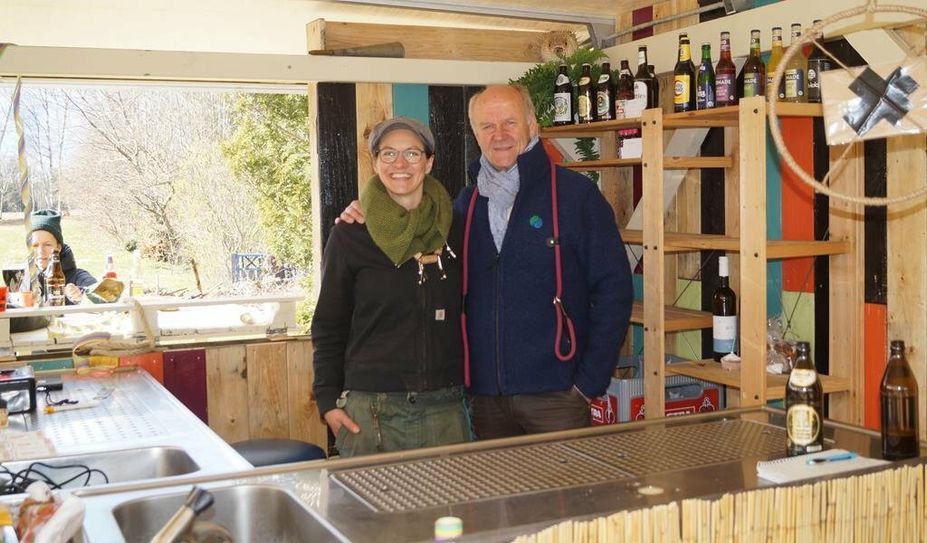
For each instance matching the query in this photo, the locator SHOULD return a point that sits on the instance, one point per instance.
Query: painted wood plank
(472, 148)
(185, 378)
(437, 42)
(875, 359)
(639, 16)
(153, 363)
(653, 213)
(373, 104)
(907, 258)
(797, 203)
(846, 289)
(876, 230)
(305, 423)
(447, 118)
(337, 151)
(713, 217)
(411, 100)
(821, 265)
(773, 227)
(227, 392)
(753, 253)
(267, 390)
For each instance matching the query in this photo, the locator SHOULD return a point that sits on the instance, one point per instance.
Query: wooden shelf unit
(746, 156)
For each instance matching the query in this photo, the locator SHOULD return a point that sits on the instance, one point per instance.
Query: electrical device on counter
(17, 388)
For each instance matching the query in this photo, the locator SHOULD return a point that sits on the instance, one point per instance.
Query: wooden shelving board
(679, 242)
(709, 370)
(692, 162)
(675, 319)
(705, 118)
(600, 164)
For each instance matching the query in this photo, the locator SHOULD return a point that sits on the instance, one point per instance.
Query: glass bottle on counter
(684, 77)
(898, 399)
(705, 96)
(754, 71)
(724, 313)
(605, 94)
(585, 96)
(804, 406)
(55, 281)
(563, 98)
(625, 90)
(109, 270)
(726, 75)
(775, 58)
(818, 62)
(795, 70)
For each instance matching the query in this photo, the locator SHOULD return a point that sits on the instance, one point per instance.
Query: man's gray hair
(527, 103)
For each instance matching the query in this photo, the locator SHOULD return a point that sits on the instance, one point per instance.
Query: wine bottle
(804, 406)
(898, 399)
(724, 313)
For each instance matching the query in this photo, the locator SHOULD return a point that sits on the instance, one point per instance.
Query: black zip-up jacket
(375, 329)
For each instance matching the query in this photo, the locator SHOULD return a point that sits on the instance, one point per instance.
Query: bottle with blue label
(724, 313)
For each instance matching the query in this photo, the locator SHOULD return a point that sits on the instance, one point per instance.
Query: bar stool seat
(268, 452)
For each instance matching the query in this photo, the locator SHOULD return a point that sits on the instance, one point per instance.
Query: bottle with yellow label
(684, 78)
(804, 406)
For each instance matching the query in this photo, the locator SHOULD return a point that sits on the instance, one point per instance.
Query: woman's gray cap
(397, 123)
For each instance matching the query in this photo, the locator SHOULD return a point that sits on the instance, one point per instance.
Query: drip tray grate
(483, 475)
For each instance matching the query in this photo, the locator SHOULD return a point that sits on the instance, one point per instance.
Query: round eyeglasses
(412, 156)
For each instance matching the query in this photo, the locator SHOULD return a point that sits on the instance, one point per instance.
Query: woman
(386, 330)
(46, 238)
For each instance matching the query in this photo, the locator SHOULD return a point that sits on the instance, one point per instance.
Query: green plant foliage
(540, 80)
(270, 149)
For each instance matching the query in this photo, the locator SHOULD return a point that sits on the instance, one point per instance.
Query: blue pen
(832, 458)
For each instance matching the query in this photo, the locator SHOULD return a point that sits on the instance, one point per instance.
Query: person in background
(519, 382)
(386, 333)
(45, 238)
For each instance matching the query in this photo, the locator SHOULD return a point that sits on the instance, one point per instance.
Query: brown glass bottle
(643, 82)
(684, 95)
(54, 283)
(804, 406)
(898, 398)
(585, 96)
(754, 71)
(625, 90)
(726, 75)
(563, 98)
(605, 94)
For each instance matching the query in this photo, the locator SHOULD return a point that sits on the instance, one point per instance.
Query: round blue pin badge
(536, 221)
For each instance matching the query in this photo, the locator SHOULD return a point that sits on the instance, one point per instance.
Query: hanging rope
(808, 36)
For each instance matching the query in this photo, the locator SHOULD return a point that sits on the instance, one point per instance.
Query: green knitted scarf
(401, 233)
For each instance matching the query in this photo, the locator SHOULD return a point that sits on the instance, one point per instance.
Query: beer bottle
(726, 75)
(684, 77)
(705, 89)
(643, 82)
(625, 90)
(804, 406)
(605, 94)
(795, 71)
(754, 71)
(724, 313)
(818, 62)
(775, 57)
(585, 96)
(55, 281)
(898, 398)
(563, 98)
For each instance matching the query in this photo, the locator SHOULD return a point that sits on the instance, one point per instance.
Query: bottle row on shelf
(625, 94)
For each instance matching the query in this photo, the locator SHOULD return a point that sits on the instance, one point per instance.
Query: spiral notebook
(809, 466)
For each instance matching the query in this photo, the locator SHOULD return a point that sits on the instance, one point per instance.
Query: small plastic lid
(447, 528)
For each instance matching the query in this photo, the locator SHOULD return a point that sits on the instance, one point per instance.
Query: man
(518, 383)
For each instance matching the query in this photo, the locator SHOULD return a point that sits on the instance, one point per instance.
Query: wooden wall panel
(227, 392)
(337, 151)
(304, 419)
(267, 390)
(373, 103)
(907, 257)
(185, 378)
(447, 119)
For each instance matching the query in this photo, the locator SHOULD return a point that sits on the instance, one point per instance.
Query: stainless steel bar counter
(499, 489)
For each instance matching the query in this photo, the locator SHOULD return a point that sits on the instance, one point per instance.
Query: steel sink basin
(252, 512)
(119, 466)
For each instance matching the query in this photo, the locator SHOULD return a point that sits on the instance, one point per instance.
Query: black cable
(51, 402)
(20, 480)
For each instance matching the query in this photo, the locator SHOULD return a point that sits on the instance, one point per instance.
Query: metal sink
(252, 512)
(119, 466)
